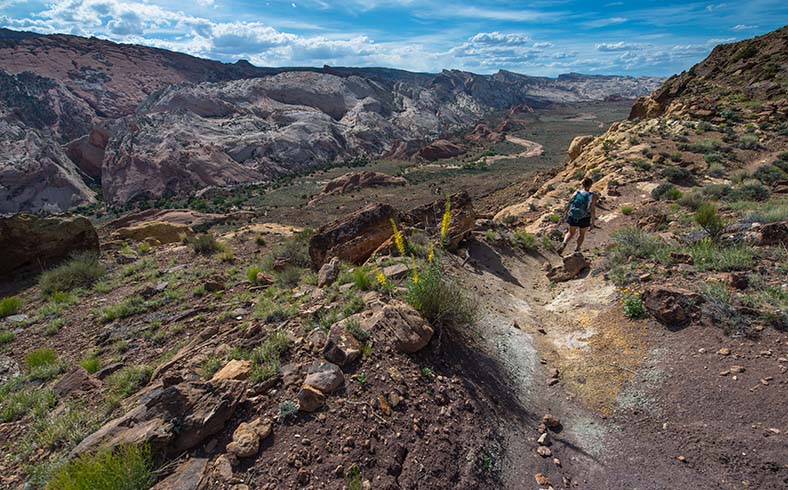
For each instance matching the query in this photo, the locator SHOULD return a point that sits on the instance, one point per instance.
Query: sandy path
(530, 149)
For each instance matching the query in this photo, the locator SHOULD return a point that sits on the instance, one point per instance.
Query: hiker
(580, 215)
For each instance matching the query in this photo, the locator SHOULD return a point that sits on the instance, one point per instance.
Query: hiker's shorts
(580, 223)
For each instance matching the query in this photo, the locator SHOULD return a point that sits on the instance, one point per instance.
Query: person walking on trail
(580, 215)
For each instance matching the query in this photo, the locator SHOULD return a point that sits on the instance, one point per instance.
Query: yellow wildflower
(446, 220)
(399, 240)
(415, 270)
(431, 255)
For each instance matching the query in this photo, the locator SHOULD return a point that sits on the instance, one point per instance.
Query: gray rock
(328, 273)
(324, 376)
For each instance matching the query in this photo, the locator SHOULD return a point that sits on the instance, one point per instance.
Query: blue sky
(537, 38)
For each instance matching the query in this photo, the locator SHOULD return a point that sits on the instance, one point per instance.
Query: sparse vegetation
(709, 256)
(666, 192)
(709, 219)
(124, 468)
(204, 243)
(17, 400)
(266, 358)
(10, 306)
(6, 336)
(81, 271)
(91, 363)
(439, 300)
(633, 305)
(128, 380)
(126, 308)
(525, 240)
(627, 210)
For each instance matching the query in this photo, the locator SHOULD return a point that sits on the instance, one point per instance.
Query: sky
(536, 38)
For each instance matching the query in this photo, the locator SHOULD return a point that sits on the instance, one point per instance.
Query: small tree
(707, 218)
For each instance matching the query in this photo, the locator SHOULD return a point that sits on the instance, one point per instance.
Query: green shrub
(782, 165)
(641, 164)
(693, 200)
(6, 336)
(204, 243)
(128, 380)
(716, 191)
(634, 242)
(288, 277)
(749, 192)
(81, 271)
(712, 158)
(271, 311)
(705, 146)
(10, 306)
(707, 255)
(525, 240)
(768, 174)
(627, 210)
(267, 358)
(555, 218)
(18, 400)
(41, 357)
(749, 142)
(91, 363)
(251, 273)
(633, 306)
(717, 170)
(769, 214)
(361, 279)
(709, 219)
(665, 192)
(293, 251)
(211, 366)
(124, 468)
(440, 301)
(126, 308)
(678, 175)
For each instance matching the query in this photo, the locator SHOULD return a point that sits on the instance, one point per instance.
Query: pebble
(724, 351)
(544, 451)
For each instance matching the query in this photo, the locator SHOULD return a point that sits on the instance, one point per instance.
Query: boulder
(572, 267)
(187, 476)
(310, 399)
(171, 419)
(246, 438)
(328, 273)
(341, 348)
(646, 108)
(772, 234)
(440, 149)
(160, 231)
(27, 240)
(577, 146)
(671, 306)
(359, 180)
(352, 238)
(235, 369)
(409, 332)
(429, 216)
(76, 380)
(324, 376)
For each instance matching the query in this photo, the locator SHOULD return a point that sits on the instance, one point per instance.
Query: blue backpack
(578, 206)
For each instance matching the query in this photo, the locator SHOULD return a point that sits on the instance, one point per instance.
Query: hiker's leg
(568, 236)
(580, 238)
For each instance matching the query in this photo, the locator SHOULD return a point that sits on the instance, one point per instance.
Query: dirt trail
(530, 149)
(530, 327)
